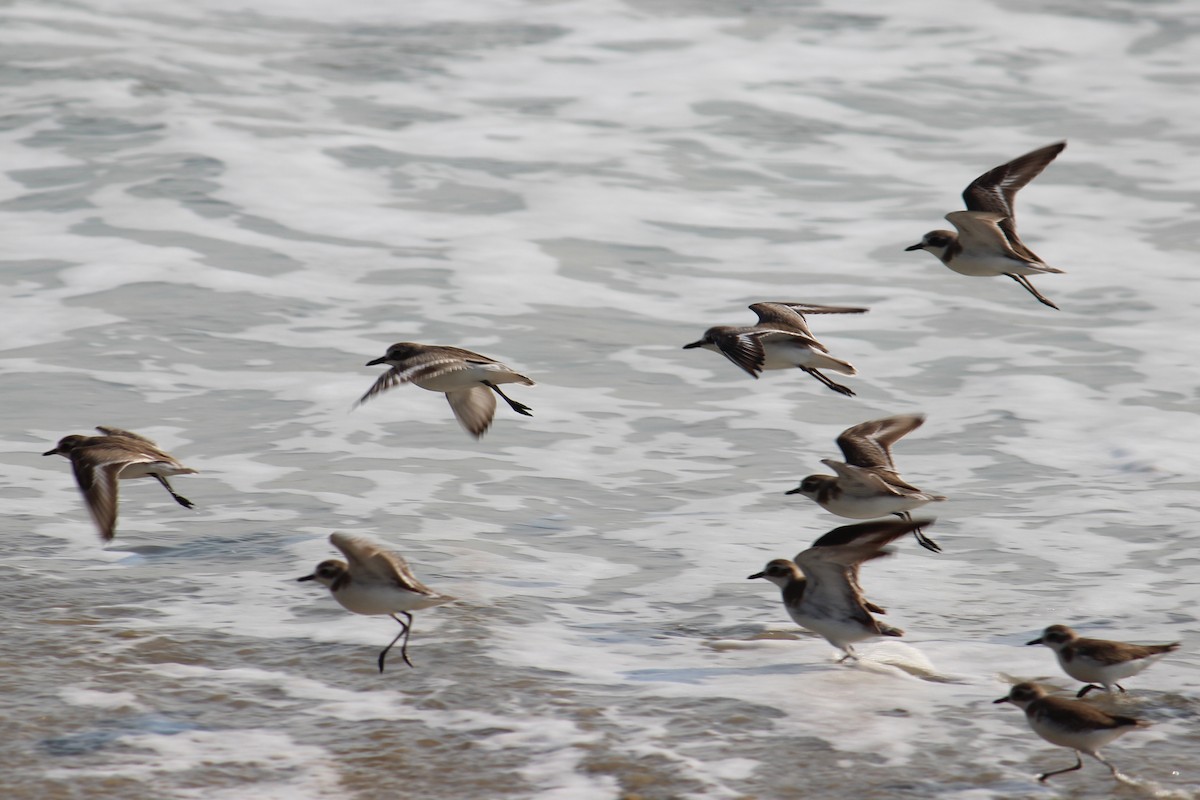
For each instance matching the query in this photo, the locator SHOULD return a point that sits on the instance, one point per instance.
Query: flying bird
(867, 485)
(779, 340)
(986, 242)
(468, 380)
(100, 461)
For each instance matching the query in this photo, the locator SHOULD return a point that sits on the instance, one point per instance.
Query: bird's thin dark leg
(405, 629)
(1021, 279)
(183, 501)
(1078, 765)
(1087, 689)
(849, 654)
(922, 539)
(1119, 686)
(837, 387)
(1111, 768)
(520, 408)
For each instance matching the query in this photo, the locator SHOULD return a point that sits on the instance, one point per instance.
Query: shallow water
(214, 216)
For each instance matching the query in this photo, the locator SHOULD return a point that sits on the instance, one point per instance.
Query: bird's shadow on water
(207, 547)
(697, 675)
(108, 732)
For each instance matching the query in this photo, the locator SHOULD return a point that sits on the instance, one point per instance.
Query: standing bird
(100, 461)
(820, 586)
(375, 581)
(1069, 723)
(987, 243)
(868, 485)
(1099, 661)
(467, 378)
(780, 340)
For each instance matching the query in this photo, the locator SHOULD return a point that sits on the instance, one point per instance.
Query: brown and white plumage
(820, 586)
(100, 461)
(780, 339)
(1099, 661)
(1069, 723)
(467, 379)
(375, 581)
(867, 485)
(986, 242)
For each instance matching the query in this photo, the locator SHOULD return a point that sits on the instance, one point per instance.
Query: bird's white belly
(377, 599)
(1090, 672)
(787, 355)
(838, 632)
(467, 378)
(985, 264)
(859, 507)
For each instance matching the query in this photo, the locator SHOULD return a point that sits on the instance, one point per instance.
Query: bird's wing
(869, 444)
(442, 352)
(861, 481)
(97, 480)
(1073, 714)
(830, 566)
(107, 431)
(813, 308)
(377, 564)
(422, 367)
(742, 347)
(996, 190)
(981, 230)
(137, 448)
(384, 382)
(473, 408)
(1106, 652)
(781, 316)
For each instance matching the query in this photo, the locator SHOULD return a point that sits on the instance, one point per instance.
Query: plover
(375, 581)
(780, 340)
(100, 461)
(468, 380)
(868, 485)
(1069, 723)
(820, 586)
(986, 242)
(1099, 661)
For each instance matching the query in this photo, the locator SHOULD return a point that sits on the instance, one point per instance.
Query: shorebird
(1099, 661)
(779, 340)
(375, 581)
(468, 380)
(868, 485)
(820, 586)
(986, 242)
(100, 461)
(1069, 723)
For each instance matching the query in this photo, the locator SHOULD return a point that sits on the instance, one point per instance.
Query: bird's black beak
(694, 345)
(793, 491)
(917, 246)
(312, 577)
(1035, 641)
(379, 360)
(53, 452)
(1001, 700)
(756, 575)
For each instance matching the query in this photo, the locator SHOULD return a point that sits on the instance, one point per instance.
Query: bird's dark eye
(938, 241)
(810, 484)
